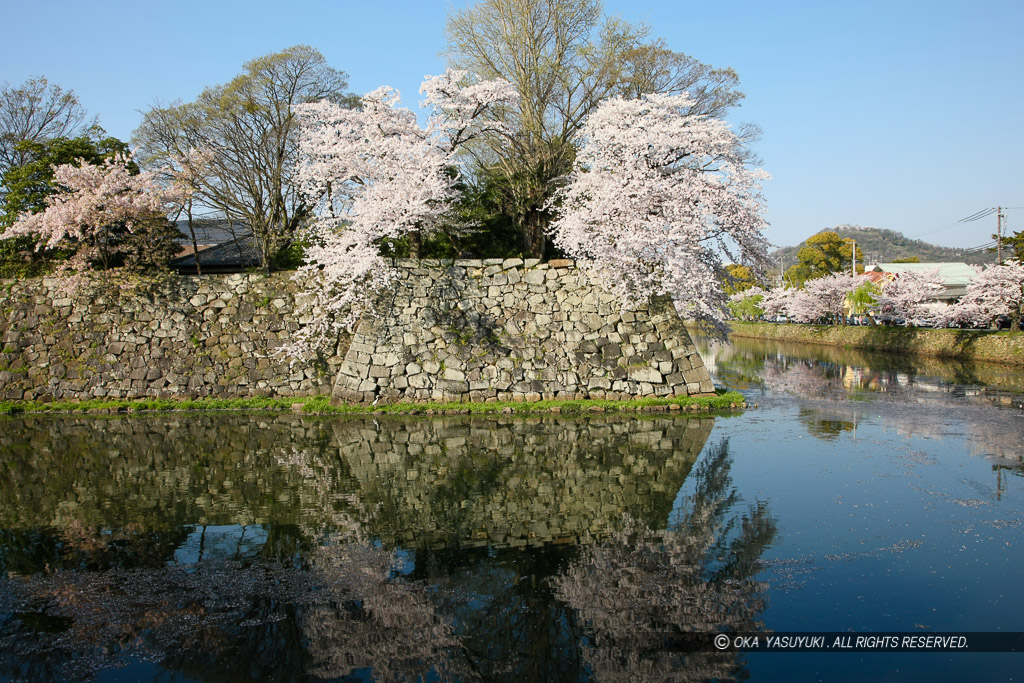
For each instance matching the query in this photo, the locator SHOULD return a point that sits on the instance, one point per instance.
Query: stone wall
(468, 330)
(210, 336)
(509, 330)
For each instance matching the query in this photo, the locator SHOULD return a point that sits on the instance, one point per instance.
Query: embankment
(980, 345)
(468, 330)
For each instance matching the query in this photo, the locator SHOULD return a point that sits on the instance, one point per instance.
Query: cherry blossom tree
(821, 297)
(657, 201)
(100, 210)
(378, 175)
(801, 307)
(996, 291)
(775, 302)
(909, 296)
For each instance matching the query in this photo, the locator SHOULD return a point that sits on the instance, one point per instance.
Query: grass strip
(321, 405)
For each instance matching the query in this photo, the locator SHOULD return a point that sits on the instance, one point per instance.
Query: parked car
(1003, 322)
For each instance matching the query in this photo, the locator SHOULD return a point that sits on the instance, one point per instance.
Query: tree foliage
(655, 201)
(909, 296)
(36, 111)
(824, 254)
(996, 291)
(820, 299)
(377, 176)
(1013, 246)
(31, 183)
(108, 215)
(248, 130)
(563, 57)
(738, 278)
(862, 300)
(30, 186)
(746, 304)
(823, 297)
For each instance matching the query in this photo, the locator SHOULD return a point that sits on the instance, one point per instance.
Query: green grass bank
(724, 401)
(979, 345)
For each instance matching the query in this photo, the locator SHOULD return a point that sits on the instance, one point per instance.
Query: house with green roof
(954, 276)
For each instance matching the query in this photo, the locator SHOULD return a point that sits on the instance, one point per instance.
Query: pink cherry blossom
(909, 296)
(95, 203)
(657, 201)
(996, 291)
(377, 174)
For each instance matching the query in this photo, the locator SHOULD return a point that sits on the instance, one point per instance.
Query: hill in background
(875, 245)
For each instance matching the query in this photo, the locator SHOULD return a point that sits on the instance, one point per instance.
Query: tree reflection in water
(229, 620)
(309, 575)
(838, 389)
(642, 587)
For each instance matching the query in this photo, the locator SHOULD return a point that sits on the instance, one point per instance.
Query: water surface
(864, 493)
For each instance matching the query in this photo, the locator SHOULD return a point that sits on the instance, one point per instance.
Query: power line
(977, 216)
(939, 229)
(983, 247)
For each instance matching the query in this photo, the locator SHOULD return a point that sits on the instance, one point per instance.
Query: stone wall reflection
(511, 482)
(81, 491)
(163, 472)
(601, 611)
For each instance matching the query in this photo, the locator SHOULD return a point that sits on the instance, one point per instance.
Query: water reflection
(228, 621)
(454, 549)
(639, 588)
(107, 489)
(839, 388)
(822, 370)
(511, 482)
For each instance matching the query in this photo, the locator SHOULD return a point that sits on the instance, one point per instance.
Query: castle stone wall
(514, 330)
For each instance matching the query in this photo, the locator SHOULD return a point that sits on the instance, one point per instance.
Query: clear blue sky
(897, 114)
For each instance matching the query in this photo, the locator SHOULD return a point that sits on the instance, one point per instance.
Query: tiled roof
(235, 255)
(211, 231)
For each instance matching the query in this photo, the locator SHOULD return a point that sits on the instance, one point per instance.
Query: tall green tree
(739, 279)
(863, 299)
(563, 57)
(247, 133)
(36, 111)
(1013, 246)
(823, 254)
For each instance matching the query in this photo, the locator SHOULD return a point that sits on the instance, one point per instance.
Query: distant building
(211, 231)
(235, 256)
(223, 247)
(954, 276)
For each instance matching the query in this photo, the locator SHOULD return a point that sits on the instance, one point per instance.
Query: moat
(865, 493)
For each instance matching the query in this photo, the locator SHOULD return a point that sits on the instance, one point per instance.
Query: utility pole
(999, 235)
(853, 260)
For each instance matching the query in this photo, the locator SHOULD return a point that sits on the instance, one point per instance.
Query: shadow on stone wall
(509, 330)
(192, 337)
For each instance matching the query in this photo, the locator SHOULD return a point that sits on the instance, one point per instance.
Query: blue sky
(902, 115)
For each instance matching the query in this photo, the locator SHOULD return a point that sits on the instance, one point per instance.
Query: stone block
(534, 277)
(644, 374)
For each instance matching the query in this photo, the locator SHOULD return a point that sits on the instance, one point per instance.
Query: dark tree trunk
(415, 244)
(534, 236)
